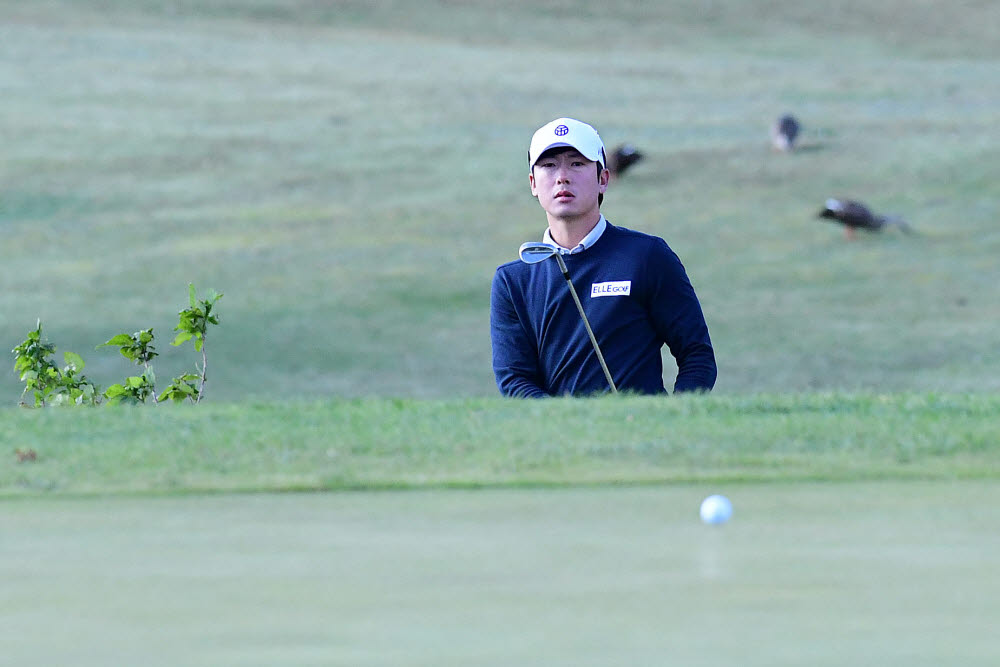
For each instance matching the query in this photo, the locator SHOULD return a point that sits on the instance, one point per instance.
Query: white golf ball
(716, 509)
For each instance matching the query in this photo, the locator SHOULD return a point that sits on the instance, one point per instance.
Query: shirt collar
(588, 240)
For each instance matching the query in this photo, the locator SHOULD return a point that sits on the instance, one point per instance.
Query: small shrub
(47, 384)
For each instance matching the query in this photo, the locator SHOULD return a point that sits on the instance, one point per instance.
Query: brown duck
(854, 215)
(623, 158)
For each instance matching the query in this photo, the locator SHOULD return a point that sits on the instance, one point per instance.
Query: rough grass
(471, 443)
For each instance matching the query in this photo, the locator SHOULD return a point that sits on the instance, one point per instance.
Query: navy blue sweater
(541, 347)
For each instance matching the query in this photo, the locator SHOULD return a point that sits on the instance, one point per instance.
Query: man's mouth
(563, 194)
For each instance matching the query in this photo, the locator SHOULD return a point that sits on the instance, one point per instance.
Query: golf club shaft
(586, 323)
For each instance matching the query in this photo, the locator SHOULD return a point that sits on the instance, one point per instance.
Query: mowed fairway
(820, 574)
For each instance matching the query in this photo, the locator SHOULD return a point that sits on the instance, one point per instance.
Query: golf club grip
(586, 323)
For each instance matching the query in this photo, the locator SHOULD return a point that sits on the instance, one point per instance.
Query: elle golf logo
(562, 131)
(614, 288)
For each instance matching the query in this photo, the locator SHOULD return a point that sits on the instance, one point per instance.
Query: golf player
(632, 287)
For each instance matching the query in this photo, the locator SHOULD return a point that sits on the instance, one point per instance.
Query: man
(632, 286)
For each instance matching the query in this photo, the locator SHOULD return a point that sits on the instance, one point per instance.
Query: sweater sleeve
(515, 355)
(680, 322)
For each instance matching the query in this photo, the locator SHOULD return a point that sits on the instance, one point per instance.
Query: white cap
(567, 132)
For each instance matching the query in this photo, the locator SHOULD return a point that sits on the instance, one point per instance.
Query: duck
(854, 215)
(623, 158)
(784, 132)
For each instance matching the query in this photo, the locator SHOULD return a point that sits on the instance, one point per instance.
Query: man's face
(567, 184)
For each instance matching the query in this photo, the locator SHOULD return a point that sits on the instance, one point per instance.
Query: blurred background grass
(350, 174)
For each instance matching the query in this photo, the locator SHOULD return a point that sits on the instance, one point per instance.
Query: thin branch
(152, 389)
(204, 368)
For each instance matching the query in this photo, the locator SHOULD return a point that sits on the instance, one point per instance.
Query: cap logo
(562, 131)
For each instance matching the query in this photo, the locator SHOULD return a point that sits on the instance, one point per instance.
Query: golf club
(535, 252)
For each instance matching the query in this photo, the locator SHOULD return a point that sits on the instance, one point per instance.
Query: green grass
(350, 175)
(900, 574)
(472, 443)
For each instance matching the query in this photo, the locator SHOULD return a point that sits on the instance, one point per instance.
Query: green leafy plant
(193, 325)
(183, 388)
(50, 385)
(75, 387)
(39, 375)
(47, 383)
(135, 390)
(137, 348)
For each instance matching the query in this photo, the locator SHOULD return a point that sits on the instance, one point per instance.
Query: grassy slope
(351, 174)
(347, 444)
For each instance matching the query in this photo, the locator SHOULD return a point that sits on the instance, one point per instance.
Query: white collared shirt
(588, 240)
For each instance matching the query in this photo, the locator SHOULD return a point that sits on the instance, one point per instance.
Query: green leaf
(114, 390)
(135, 381)
(73, 359)
(182, 337)
(120, 339)
(187, 323)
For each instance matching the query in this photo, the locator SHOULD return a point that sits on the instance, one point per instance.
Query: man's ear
(603, 179)
(531, 182)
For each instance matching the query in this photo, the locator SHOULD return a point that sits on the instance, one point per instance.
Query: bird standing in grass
(622, 158)
(854, 215)
(784, 132)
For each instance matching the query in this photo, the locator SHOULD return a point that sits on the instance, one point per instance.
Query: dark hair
(600, 197)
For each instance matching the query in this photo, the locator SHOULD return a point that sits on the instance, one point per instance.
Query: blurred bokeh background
(350, 174)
